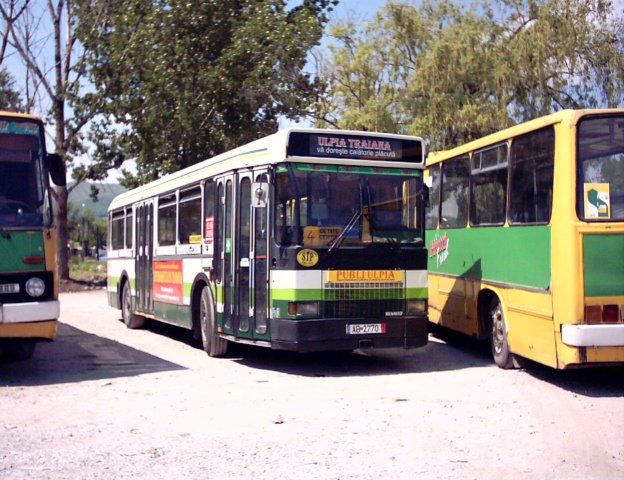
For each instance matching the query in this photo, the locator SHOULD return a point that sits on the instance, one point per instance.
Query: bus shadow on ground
(587, 381)
(433, 357)
(597, 382)
(77, 356)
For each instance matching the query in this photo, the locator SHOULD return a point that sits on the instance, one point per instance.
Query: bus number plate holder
(365, 328)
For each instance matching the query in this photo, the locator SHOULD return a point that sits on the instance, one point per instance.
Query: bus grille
(363, 299)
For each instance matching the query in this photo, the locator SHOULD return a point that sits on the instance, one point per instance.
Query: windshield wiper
(336, 242)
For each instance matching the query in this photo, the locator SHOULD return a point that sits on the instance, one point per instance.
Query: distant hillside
(108, 191)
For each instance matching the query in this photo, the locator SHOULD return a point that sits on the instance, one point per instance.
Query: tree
(186, 80)
(9, 97)
(453, 74)
(35, 29)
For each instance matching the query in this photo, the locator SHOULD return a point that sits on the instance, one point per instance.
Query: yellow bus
(526, 240)
(29, 306)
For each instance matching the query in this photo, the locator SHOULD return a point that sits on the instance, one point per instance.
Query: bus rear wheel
(131, 320)
(498, 337)
(17, 349)
(214, 345)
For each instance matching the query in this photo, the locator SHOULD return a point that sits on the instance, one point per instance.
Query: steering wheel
(14, 206)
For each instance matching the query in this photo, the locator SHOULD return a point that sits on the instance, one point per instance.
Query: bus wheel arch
(498, 337)
(131, 320)
(198, 285)
(213, 344)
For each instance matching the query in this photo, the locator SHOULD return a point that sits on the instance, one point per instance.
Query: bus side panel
(463, 261)
(447, 304)
(119, 263)
(530, 328)
(511, 255)
(51, 263)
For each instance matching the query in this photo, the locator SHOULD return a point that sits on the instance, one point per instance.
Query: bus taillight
(603, 314)
(610, 313)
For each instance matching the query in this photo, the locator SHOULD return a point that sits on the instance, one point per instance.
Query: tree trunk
(63, 232)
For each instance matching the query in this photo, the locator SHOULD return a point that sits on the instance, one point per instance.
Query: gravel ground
(106, 402)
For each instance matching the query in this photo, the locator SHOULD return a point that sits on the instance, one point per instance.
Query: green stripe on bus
(296, 294)
(416, 293)
(603, 262)
(513, 255)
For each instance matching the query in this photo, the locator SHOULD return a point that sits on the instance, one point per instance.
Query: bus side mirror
(260, 194)
(57, 169)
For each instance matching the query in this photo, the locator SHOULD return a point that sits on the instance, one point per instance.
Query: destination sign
(19, 128)
(359, 147)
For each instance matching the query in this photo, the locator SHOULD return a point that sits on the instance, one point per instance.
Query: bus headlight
(35, 287)
(303, 308)
(416, 306)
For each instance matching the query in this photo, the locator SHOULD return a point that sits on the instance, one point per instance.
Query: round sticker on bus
(307, 257)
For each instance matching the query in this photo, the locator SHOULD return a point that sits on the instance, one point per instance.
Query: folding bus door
(224, 250)
(250, 272)
(144, 255)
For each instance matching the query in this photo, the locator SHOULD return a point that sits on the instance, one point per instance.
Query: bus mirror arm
(57, 169)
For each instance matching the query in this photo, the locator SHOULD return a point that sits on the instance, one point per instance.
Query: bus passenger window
(129, 227)
(488, 199)
(434, 197)
(167, 220)
(455, 184)
(531, 184)
(189, 223)
(117, 231)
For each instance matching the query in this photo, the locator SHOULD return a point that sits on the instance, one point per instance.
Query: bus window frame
(167, 200)
(189, 194)
(580, 200)
(472, 209)
(445, 163)
(512, 162)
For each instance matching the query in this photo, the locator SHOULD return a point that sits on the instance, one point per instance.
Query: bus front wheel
(130, 319)
(214, 345)
(498, 337)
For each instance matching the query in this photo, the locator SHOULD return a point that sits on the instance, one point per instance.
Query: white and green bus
(305, 240)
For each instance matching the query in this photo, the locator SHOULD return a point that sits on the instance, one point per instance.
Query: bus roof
(571, 116)
(267, 150)
(26, 116)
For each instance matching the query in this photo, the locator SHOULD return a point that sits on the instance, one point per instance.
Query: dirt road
(105, 402)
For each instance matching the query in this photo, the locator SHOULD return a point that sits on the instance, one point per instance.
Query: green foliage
(83, 193)
(185, 80)
(452, 74)
(9, 97)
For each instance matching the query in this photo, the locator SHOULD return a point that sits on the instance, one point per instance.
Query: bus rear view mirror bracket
(260, 193)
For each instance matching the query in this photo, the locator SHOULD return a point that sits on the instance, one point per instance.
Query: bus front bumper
(12, 313)
(331, 334)
(601, 335)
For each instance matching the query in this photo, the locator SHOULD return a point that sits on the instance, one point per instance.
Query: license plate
(364, 328)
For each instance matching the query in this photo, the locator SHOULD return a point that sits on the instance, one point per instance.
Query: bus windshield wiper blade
(336, 242)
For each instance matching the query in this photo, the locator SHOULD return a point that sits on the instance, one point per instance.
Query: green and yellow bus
(526, 240)
(305, 240)
(29, 306)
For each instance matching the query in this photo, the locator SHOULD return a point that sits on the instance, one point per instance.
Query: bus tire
(131, 320)
(18, 349)
(214, 345)
(498, 337)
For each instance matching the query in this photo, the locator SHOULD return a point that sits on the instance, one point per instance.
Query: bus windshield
(601, 168)
(22, 181)
(328, 206)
